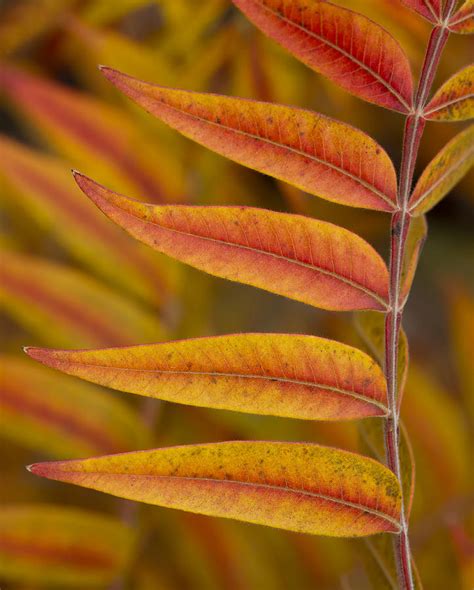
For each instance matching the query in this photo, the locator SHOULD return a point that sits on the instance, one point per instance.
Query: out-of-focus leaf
(104, 11)
(463, 543)
(430, 9)
(273, 374)
(415, 240)
(380, 565)
(308, 260)
(315, 153)
(110, 47)
(442, 459)
(454, 101)
(46, 188)
(178, 39)
(22, 21)
(461, 313)
(371, 328)
(67, 308)
(443, 172)
(350, 49)
(61, 546)
(295, 486)
(85, 130)
(462, 21)
(117, 50)
(371, 436)
(62, 417)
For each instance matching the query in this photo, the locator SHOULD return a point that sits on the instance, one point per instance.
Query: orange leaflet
(63, 417)
(371, 435)
(273, 374)
(58, 546)
(308, 260)
(350, 49)
(415, 241)
(454, 101)
(315, 153)
(430, 9)
(443, 172)
(295, 486)
(371, 328)
(463, 20)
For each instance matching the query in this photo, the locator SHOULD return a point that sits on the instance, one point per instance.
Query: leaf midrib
(447, 103)
(466, 16)
(361, 64)
(319, 496)
(350, 393)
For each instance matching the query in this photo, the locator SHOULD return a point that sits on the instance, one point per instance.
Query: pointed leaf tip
(315, 153)
(38, 354)
(322, 264)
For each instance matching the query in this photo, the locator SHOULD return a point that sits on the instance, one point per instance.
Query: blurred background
(71, 279)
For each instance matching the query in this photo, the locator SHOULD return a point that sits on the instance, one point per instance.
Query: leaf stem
(400, 224)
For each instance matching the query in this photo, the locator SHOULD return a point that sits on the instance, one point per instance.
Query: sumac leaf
(442, 461)
(429, 9)
(415, 240)
(371, 328)
(48, 412)
(274, 374)
(461, 325)
(462, 21)
(317, 154)
(371, 436)
(347, 47)
(308, 260)
(443, 172)
(454, 101)
(294, 486)
(60, 546)
(380, 565)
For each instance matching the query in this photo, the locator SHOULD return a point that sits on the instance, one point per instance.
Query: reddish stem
(400, 225)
